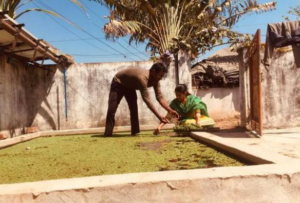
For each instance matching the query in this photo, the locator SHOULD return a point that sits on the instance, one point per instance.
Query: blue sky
(90, 45)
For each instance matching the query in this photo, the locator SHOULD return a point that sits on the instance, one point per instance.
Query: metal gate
(255, 85)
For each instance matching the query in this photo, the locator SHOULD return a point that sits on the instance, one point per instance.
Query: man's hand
(174, 114)
(163, 120)
(160, 126)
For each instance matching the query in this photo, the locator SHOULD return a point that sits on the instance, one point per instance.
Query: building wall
(22, 91)
(221, 103)
(32, 97)
(281, 92)
(87, 97)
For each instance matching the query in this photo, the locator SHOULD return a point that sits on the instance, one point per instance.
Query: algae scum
(90, 155)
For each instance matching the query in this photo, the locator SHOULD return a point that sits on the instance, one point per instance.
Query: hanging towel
(281, 35)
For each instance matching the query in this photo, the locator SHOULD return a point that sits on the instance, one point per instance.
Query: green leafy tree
(172, 25)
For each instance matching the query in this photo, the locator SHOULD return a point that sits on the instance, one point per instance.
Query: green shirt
(186, 110)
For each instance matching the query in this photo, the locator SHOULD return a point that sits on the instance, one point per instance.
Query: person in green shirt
(189, 107)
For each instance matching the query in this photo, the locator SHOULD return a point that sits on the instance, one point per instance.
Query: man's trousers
(117, 92)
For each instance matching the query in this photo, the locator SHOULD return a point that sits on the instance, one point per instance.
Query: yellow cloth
(193, 114)
(204, 121)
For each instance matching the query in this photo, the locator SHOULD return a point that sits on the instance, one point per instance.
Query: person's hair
(182, 88)
(158, 67)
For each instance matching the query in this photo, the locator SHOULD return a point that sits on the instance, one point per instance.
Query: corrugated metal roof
(27, 47)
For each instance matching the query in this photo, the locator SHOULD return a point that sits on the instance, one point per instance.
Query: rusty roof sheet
(24, 50)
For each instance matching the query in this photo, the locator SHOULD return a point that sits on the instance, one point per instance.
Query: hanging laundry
(281, 35)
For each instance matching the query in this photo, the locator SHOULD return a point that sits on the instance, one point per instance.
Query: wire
(115, 41)
(250, 25)
(80, 10)
(95, 55)
(72, 40)
(86, 32)
(93, 12)
(99, 39)
(105, 23)
(70, 30)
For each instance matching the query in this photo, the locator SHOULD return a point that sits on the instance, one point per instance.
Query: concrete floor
(284, 142)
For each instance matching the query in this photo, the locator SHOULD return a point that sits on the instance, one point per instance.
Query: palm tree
(13, 6)
(172, 25)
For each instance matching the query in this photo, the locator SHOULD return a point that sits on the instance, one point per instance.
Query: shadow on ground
(237, 132)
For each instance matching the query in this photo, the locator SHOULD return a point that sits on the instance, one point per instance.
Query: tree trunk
(179, 69)
(184, 69)
(176, 69)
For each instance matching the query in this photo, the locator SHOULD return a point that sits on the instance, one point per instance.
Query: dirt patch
(228, 123)
(168, 133)
(155, 146)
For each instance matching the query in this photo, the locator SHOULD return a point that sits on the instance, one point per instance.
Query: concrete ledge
(228, 184)
(279, 182)
(100, 130)
(23, 138)
(253, 154)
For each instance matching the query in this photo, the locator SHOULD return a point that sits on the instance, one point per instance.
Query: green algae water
(93, 155)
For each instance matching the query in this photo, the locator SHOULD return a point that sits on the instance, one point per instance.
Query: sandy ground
(230, 123)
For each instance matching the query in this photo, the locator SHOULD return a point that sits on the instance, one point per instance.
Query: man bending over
(125, 83)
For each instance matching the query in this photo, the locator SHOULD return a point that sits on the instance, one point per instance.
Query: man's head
(158, 71)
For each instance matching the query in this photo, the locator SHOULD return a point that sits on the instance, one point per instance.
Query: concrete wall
(87, 97)
(35, 97)
(30, 96)
(22, 91)
(184, 69)
(280, 91)
(253, 184)
(221, 103)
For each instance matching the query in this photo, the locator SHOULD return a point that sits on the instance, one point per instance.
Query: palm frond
(117, 28)
(247, 7)
(49, 12)
(196, 25)
(12, 7)
(80, 5)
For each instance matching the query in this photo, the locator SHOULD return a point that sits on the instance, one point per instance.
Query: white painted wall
(33, 97)
(221, 103)
(88, 90)
(281, 92)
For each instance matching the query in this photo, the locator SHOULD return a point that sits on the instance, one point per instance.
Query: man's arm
(146, 98)
(162, 101)
(164, 104)
(161, 125)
